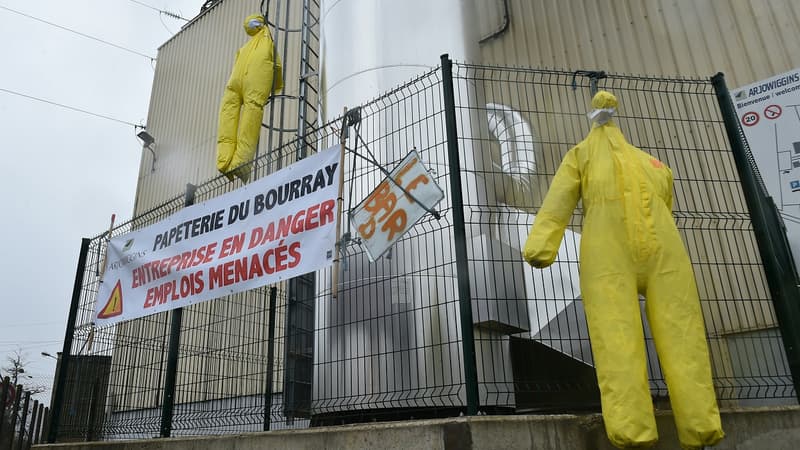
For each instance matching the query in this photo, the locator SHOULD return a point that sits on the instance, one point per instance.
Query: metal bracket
(593, 76)
(353, 116)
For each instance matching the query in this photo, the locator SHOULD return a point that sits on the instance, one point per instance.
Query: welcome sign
(769, 111)
(275, 228)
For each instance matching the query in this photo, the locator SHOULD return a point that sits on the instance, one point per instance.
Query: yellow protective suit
(630, 246)
(256, 73)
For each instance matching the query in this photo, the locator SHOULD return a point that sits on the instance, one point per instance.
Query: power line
(29, 343)
(24, 347)
(78, 33)
(34, 324)
(162, 11)
(69, 107)
(27, 324)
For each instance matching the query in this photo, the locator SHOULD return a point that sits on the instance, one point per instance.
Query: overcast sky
(67, 171)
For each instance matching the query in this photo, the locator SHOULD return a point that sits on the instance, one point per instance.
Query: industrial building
(390, 346)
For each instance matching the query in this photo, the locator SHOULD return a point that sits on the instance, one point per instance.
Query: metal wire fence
(391, 345)
(23, 420)
(534, 117)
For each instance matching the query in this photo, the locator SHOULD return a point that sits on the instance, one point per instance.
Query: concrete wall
(751, 429)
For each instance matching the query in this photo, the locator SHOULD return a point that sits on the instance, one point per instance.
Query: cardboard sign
(388, 212)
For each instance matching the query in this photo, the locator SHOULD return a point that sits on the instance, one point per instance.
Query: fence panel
(523, 122)
(20, 417)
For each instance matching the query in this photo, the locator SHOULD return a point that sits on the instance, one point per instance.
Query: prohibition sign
(772, 111)
(749, 119)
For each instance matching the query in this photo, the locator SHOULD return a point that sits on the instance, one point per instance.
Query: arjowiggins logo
(127, 259)
(774, 84)
(741, 95)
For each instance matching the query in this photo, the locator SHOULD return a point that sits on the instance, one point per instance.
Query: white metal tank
(371, 46)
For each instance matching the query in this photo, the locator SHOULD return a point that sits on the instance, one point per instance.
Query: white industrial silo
(391, 339)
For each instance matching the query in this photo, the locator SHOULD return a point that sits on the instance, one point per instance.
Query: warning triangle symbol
(114, 306)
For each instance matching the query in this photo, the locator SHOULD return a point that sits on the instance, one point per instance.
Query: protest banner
(275, 228)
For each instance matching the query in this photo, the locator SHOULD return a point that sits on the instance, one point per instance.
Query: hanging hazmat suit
(256, 74)
(630, 246)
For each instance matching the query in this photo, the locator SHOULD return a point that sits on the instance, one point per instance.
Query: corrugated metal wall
(190, 76)
(746, 39)
(192, 70)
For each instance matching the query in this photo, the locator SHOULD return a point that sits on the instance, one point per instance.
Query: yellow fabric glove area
(257, 73)
(631, 246)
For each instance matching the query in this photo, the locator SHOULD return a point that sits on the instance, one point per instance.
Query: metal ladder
(307, 96)
(299, 325)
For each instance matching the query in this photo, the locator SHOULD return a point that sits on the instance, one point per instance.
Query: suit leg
(612, 309)
(676, 320)
(227, 128)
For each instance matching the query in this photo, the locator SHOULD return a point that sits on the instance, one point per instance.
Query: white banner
(769, 112)
(272, 229)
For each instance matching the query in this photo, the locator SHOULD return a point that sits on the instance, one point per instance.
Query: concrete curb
(774, 428)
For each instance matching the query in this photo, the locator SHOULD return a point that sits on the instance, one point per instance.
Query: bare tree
(15, 370)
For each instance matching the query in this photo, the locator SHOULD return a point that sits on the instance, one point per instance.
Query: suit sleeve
(548, 228)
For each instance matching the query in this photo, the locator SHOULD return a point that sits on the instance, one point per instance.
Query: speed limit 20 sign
(749, 119)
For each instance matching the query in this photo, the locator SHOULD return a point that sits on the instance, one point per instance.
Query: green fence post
(273, 295)
(460, 239)
(174, 348)
(61, 373)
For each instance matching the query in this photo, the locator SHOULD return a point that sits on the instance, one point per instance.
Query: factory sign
(769, 111)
